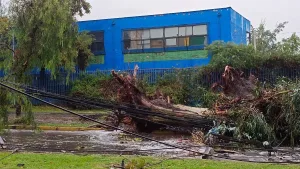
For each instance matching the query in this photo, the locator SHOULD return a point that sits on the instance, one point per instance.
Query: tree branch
(6, 46)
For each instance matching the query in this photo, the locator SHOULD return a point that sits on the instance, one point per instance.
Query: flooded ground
(102, 142)
(59, 119)
(115, 142)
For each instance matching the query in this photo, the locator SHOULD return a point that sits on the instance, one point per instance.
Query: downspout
(220, 26)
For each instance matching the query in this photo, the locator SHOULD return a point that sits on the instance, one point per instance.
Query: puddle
(112, 142)
(115, 142)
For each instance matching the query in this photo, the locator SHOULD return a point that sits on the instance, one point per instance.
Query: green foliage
(5, 38)
(287, 121)
(47, 37)
(7, 99)
(275, 118)
(138, 163)
(266, 40)
(253, 125)
(270, 52)
(182, 86)
(83, 43)
(96, 86)
(290, 47)
(4, 105)
(79, 7)
(238, 56)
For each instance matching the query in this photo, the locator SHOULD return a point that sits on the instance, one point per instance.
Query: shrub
(97, 86)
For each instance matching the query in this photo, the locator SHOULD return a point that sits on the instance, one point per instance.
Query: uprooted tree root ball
(260, 113)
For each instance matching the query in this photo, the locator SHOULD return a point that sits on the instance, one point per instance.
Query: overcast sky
(272, 11)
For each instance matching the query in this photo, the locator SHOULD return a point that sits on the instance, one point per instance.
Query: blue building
(174, 40)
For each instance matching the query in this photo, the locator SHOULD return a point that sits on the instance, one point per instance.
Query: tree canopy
(47, 34)
(47, 38)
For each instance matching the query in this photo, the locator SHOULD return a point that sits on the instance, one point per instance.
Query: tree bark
(18, 110)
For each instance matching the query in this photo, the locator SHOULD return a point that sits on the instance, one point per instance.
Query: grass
(69, 161)
(48, 109)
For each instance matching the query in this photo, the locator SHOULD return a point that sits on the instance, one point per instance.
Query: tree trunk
(42, 77)
(18, 110)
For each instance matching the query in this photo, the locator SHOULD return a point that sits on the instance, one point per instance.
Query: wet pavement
(102, 142)
(115, 142)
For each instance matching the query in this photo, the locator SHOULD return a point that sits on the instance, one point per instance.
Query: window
(98, 43)
(182, 36)
(248, 36)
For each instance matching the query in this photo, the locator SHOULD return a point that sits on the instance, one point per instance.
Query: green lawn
(68, 161)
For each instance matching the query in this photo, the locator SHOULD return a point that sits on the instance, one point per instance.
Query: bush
(182, 86)
(97, 86)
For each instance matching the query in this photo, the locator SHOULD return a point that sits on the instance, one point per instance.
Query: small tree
(47, 38)
(266, 40)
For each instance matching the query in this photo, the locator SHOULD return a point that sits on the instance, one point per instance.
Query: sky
(270, 11)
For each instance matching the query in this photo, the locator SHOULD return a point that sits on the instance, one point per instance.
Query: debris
(198, 137)
(2, 142)
(162, 114)
(20, 165)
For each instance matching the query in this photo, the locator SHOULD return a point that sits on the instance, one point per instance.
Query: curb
(52, 128)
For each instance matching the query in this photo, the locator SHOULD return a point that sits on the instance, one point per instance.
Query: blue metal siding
(219, 28)
(239, 28)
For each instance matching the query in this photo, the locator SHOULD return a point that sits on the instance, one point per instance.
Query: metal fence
(62, 84)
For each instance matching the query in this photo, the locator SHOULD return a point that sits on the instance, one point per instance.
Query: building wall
(239, 28)
(221, 23)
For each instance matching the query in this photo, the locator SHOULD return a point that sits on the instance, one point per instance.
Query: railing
(60, 85)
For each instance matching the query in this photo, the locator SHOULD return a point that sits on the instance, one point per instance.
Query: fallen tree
(130, 93)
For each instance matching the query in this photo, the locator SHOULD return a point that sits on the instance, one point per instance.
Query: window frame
(166, 48)
(99, 52)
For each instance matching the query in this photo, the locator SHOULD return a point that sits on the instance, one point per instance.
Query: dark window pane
(126, 44)
(97, 47)
(157, 43)
(132, 44)
(197, 40)
(126, 35)
(98, 36)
